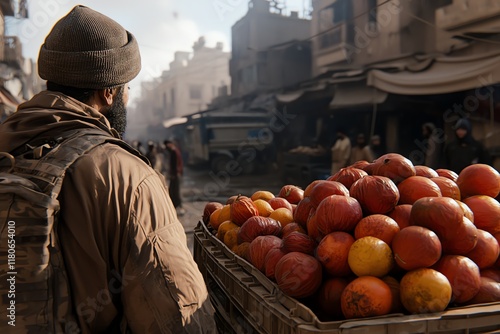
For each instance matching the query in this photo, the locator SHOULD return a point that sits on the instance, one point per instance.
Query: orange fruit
(479, 179)
(231, 238)
(225, 214)
(225, 227)
(486, 212)
(242, 250)
(370, 256)
(283, 215)
(366, 296)
(425, 290)
(262, 194)
(214, 218)
(378, 226)
(448, 187)
(263, 207)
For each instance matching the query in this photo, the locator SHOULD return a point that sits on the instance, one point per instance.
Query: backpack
(33, 282)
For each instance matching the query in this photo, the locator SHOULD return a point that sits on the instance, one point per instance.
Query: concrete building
(387, 67)
(12, 64)
(192, 81)
(269, 50)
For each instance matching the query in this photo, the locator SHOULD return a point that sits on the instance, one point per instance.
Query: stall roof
(443, 75)
(356, 94)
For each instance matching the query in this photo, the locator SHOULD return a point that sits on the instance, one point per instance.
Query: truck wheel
(219, 163)
(248, 167)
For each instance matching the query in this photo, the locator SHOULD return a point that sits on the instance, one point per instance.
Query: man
(125, 251)
(175, 171)
(361, 151)
(464, 150)
(376, 147)
(433, 144)
(341, 151)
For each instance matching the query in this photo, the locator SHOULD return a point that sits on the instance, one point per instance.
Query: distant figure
(175, 172)
(432, 145)
(152, 155)
(360, 151)
(138, 146)
(341, 151)
(376, 147)
(464, 150)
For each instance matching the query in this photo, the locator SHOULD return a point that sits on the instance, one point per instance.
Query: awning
(297, 94)
(444, 75)
(356, 94)
(174, 121)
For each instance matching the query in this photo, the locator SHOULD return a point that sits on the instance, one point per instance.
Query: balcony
(331, 45)
(11, 51)
(470, 16)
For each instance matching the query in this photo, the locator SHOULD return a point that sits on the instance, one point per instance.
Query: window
(334, 14)
(249, 74)
(195, 92)
(334, 23)
(326, 18)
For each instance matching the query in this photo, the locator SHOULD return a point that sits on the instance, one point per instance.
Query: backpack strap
(46, 163)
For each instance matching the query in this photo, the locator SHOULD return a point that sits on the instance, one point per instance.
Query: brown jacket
(125, 251)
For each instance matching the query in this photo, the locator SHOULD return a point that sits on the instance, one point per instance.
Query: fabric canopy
(356, 95)
(444, 75)
(297, 94)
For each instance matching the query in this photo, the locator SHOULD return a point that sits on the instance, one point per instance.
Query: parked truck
(229, 141)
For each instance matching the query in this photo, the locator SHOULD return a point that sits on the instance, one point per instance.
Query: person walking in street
(128, 266)
(361, 151)
(376, 147)
(464, 150)
(341, 151)
(174, 175)
(433, 146)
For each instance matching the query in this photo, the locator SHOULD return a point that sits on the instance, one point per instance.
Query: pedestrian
(174, 175)
(376, 147)
(360, 151)
(464, 150)
(127, 262)
(432, 145)
(154, 157)
(341, 151)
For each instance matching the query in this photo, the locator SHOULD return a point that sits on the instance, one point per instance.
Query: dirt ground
(200, 187)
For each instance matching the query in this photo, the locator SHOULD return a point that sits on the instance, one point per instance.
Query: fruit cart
(246, 301)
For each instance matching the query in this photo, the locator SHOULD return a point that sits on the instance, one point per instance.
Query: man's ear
(105, 96)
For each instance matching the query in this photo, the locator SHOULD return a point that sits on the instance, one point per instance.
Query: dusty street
(201, 186)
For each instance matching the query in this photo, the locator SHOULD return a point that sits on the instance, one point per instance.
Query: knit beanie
(86, 49)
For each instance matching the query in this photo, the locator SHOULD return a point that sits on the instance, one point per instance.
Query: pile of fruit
(373, 239)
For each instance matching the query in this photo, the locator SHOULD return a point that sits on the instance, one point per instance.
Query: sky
(160, 26)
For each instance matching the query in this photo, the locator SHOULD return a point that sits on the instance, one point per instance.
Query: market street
(200, 187)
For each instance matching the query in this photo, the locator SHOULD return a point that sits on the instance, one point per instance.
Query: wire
(350, 20)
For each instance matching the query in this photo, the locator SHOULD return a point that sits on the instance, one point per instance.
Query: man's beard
(117, 114)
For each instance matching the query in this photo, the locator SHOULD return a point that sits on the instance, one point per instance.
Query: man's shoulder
(114, 159)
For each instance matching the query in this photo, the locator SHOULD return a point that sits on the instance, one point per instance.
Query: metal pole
(374, 114)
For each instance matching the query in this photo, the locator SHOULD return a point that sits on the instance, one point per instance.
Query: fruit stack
(373, 239)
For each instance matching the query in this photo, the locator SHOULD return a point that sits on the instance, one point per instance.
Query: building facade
(269, 50)
(192, 81)
(391, 66)
(13, 76)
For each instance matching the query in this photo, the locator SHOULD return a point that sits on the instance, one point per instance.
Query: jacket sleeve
(164, 292)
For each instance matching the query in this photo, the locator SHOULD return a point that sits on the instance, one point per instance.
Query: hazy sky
(160, 26)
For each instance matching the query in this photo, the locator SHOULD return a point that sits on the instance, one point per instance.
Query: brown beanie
(87, 49)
